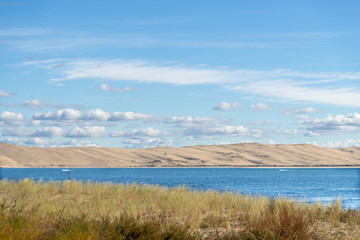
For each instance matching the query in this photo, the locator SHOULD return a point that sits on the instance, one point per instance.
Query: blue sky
(138, 74)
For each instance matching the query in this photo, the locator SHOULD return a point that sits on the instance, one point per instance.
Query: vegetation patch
(77, 210)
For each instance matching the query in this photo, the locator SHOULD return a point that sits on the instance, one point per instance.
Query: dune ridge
(233, 155)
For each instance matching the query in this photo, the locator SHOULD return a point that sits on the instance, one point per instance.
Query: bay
(303, 184)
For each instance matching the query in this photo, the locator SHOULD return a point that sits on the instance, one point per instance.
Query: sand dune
(234, 155)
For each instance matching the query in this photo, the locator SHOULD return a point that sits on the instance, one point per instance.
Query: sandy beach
(234, 155)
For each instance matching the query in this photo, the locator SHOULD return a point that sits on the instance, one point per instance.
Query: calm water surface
(318, 184)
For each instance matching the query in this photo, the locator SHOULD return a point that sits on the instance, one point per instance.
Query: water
(317, 184)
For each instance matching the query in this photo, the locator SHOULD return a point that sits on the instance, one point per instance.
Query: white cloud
(330, 124)
(292, 133)
(142, 133)
(291, 111)
(85, 132)
(304, 110)
(143, 138)
(48, 132)
(261, 106)
(36, 142)
(108, 88)
(11, 118)
(139, 71)
(129, 116)
(266, 122)
(206, 127)
(5, 94)
(190, 121)
(311, 134)
(341, 144)
(14, 141)
(220, 130)
(69, 114)
(97, 115)
(279, 83)
(257, 133)
(45, 132)
(18, 132)
(48, 142)
(34, 104)
(147, 142)
(117, 134)
(225, 106)
(31, 104)
(291, 90)
(63, 114)
(74, 143)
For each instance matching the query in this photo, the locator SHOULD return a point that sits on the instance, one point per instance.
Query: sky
(140, 74)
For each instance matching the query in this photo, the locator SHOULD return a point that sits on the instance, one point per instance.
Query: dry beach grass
(76, 210)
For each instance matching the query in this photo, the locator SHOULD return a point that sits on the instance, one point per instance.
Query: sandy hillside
(247, 155)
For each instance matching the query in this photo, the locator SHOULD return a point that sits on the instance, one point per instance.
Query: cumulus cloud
(257, 133)
(85, 132)
(330, 124)
(44, 132)
(261, 106)
(129, 116)
(186, 121)
(143, 138)
(31, 104)
(13, 141)
(291, 111)
(63, 114)
(48, 132)
(97, 115)
(48, 142)
(11, 118)
(293, 132)
(18, 132)
(147, 142)
(34, 104)
(311, 134)
(206, 127)
(225, 106)
(219, 130)
(266, 122)
(5, 94)
(36, 142)
(342, 143)
(142, 133)
(69, 114)
(117, 134)
(107, 88)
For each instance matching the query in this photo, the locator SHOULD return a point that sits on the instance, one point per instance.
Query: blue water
(318, 184)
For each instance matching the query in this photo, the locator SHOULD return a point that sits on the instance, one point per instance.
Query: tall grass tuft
(77, 210)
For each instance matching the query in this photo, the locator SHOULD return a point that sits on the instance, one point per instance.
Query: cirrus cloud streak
(280, 83)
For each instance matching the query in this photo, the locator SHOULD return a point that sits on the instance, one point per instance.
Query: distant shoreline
(203, 166)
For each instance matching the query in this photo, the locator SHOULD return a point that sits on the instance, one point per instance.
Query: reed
(77, 210)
